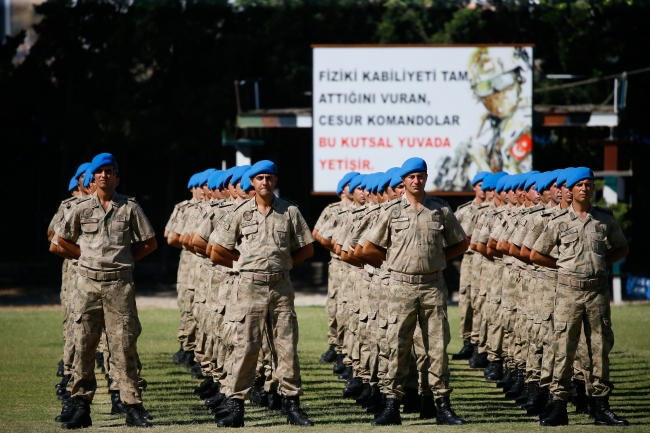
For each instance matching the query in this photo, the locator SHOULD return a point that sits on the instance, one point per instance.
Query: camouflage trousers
(465, 296)
(218, 292)
(487, 268)
(109, 306)
(185, 288)
(520, 352)
(509, 313)
(333, 283)
(203, 345)
(576, 309)
(254, 306)
(409, 305)
(494, 312)
(363, 292)
(342, 309)
(68, 281)
(375, 375)
(477, 301)
(349, 278)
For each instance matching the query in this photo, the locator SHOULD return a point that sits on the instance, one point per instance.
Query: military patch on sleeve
(395, 213)
(435, 217)
(248, 215)
(523, 222)
(564, 227)
(514, 221)
(86, 213)
(600, 228)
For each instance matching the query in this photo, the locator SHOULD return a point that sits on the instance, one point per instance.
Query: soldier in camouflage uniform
(334, 271)
(108, 232)
(582, 298)
(270, 235)
(410, 236)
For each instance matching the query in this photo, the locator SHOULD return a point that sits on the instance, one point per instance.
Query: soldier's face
(358, 196)
(533, 196)
(567, 195)
(414, 182)
(346, 192)
(489, 195)
(207, 192)
(555, 193)
(240, 192)
(372, 197)
(521, 195)
(264, 184)
(504, 197)
(480, 194)
(546, 196)
(512, 197)
(217, 194)
(106, 177)
(232, 190)
(400, 189)
(583, 191)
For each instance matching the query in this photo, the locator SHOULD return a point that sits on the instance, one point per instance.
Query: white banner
(462, 109)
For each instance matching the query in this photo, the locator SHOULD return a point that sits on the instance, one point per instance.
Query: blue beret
(365, 183)
(490, 181)
(245, 183)
(356, 181)
(237, 174)
(226, 176)
(385, 178)
(531, 179)
(192, 182)
(375, 182)
(81, 170)
(88, 176)
(74, 183)
(213, 178)
(545, 180)
(521, 180)
(480, 176)
(513, 181)
(578, 174)
(396, 179)
(501, 183)
(562, 176)
(262, 167)
(412, 165)
(345, 180)
(203, 176)
(101, 160)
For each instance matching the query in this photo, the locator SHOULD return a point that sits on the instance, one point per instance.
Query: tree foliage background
(152, 82)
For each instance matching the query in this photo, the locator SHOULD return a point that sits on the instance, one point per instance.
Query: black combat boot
(211, 392)
(506, 380)
(295, 414)
(427, 407)
(64, 382)
(178, 356)
(603, 415)
(339, 366)
(134, 416)
(99, 361)
(235, 417)
(67, 410)
(465, 352)
(411, 401)
(60, 370)
(390, 415)
(81, 416)
(117, 407)
(366, 391)
(354, 390)
(446, 414)
(537, 399)
(195, 369)
(373, 399)
(329, 356)
(65, 396)
(557, 416)
(548, 406)
(205, 385)
(579, 396)
(517, 386)
(214, 402)
(275, 401)
(223, 410)
(347, 373)
(495, 371)
(188, 359)
(378, 406)
(258, 394)
(478, 360)
(523, 398)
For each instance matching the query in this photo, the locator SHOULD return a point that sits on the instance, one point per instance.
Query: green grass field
(30, 347)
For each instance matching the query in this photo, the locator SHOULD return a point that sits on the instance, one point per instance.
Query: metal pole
(237, 97)
(257, 96)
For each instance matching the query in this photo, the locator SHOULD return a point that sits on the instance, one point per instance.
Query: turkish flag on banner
(522, 147)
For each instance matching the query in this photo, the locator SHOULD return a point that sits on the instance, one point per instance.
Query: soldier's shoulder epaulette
(334, 205)
(393, 202)
(481, 206)
(535, 209)
(242, 204)
(439, 200)
(560, 213)
(83, 199)
(548, 212)
(343, 210)
(359, 209)
(182, 204)
(226, 203)
(69, 200)
(464, 205)
(604, 209)
(131, 199)
(373, 208)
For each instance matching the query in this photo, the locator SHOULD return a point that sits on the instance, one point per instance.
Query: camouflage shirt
(415, 239)
(581, 244)
(465, 213)
(265, 241)
(178, 209)
(538, 224)
(105, 237)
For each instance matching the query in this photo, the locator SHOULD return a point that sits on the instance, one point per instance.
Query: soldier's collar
(359, 209)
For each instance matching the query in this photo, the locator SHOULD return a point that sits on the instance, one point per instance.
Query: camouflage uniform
(464, 214)
(105, 293)
(582, 297)
(415, 257)
(264, 295)
(333, 279)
